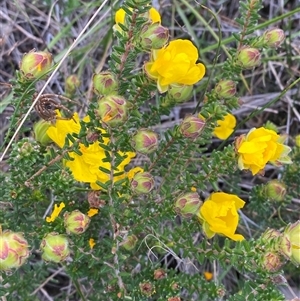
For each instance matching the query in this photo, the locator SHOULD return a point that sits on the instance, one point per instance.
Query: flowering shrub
(121, 190)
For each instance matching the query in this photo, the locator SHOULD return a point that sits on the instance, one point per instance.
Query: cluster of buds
(76, 222)
(112, 110)
(142, 183)
(191, 127)
(55, 247)
(105, 83)
(188, 204)
(225, 89)
(13, 250)
(153, 36)
(279, 247)
(145, 141)
(35, 64)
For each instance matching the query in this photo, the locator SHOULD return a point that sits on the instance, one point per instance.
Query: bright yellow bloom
(219, 214)
(175, 64)
(85, 167)
(55, 213)
(259, 147)
(92, 243)
(208, 276)
(92, 212)
(225, 127)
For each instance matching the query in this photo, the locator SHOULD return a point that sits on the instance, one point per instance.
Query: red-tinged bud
(159, 274)
(35, 64)
(153, 36)
(179, 93)
(270, 234)
(105, 83)
(248, 57)
(14, 250)
(40, 132)
(147, 288)
(129, 243)
(271, 262)
(273, 37)
(145, 141)
(142, 183)
(225, 89)
(290, 243)
(191, 127)
(76, 222)
(112, 110)
(72, 84)
(188, 204)
(55, 247)
(275, 190)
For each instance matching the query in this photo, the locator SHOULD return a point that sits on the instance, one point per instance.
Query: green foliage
(119, 268)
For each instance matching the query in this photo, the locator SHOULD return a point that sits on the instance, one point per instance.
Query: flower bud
(76, 222)
(191, 127)
(159, 274)
(225, 89)
(188, 204)
(297, 140)
(290, 243)
(270, 234)
(142, 182)
(179, 93)
(40, 132)
(72, 84)
(275, 190)
(273, 37)
(112, 110)
(271, 262)
(153, 36)
(248, 57)
(13, 250)
(105, 83)
(147, 288)
(35, 64)
(129, 243)
(25, 149)
(55, 247)
(145, 141)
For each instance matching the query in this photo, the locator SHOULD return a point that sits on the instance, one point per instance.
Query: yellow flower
(259, 147)
(219, 214)
(92, 212)
(92, 243)
(208, 276)
(85, 167)
(55, 213)
(225, 127)
(175, 64)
